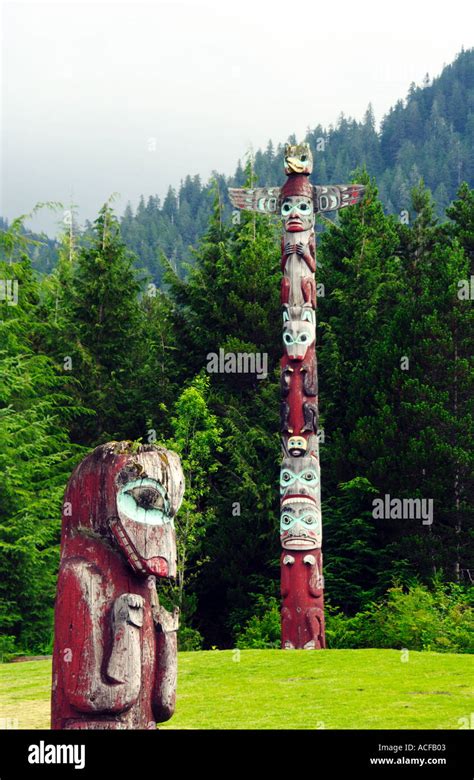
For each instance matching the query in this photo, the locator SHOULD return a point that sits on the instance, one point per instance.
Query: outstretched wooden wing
(263, 199)
(336, 196)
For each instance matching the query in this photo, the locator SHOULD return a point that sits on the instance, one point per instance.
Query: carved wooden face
(149, 493)
(302, 445)
(128, 498)
(299, 480)
(298, 159)
(299, 330)
(297, 213)
(300, 525)
(297, 446)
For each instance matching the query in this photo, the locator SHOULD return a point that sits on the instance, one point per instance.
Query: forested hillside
(89, 353)
(428, 135)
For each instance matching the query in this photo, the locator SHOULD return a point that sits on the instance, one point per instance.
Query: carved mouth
(299, 543)
(297, 498)
(158, 565)
(294, 225)
(127, 546)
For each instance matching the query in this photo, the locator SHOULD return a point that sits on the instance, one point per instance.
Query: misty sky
(119, 97)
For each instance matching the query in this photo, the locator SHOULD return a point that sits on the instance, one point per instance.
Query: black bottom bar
(141, 754)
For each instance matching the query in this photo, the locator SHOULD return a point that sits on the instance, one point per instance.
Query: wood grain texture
(114, 659)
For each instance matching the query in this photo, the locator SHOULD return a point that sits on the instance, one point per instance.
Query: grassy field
(268, 689)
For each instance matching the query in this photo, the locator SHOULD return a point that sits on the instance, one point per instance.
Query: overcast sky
(119, 97)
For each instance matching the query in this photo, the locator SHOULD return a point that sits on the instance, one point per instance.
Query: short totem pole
(114, 661)
(297, 201)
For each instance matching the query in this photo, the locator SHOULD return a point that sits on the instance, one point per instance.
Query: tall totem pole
(297, 201)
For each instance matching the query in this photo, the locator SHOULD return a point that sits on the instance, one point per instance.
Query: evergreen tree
(36, 456)
(196, 437)
(103, 344)
(230, 302)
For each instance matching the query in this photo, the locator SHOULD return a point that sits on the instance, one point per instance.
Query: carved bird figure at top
(298, 159)
(298, 163)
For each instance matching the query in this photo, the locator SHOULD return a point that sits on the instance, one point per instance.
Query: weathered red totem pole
(114, 661)
(302, 583)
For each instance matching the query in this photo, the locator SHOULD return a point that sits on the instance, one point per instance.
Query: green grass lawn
(267, 689)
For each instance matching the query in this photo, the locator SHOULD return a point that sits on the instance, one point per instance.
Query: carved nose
(298, 530)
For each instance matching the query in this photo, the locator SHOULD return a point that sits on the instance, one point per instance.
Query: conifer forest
(108, 332)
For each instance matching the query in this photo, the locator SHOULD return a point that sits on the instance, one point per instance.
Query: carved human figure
(114, 660)
(298, 246)
(297, 446)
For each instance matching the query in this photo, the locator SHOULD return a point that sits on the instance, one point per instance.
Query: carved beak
(295, 165)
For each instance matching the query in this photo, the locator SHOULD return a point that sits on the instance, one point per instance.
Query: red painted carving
(302, 600)
(298, 388)
(114, 661)
(300, 524)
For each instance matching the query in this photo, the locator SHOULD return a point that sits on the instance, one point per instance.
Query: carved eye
(309, 476)
(286, 208)
(287, 338)
(303, 338)
(303, 206)
(286, 520)
(303, 158)
(309, 520)
(147, 497)
(285, 476)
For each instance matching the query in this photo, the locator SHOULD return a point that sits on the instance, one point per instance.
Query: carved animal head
(300, 525)
(298, 159)
(130, 498)
(299, 330)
